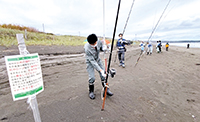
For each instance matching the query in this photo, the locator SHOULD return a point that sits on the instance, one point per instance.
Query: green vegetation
(8, 38)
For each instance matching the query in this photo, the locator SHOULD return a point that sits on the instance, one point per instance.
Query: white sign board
(25, 75)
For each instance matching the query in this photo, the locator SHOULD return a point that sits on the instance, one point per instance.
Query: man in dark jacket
(121, 49)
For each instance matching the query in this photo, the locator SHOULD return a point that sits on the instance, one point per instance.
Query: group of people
(93, 61)
(149, 49)
(159, 46)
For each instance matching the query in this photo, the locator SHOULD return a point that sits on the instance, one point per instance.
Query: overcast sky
(180, 21)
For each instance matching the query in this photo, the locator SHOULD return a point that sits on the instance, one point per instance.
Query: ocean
(184, 44)
(193, 44)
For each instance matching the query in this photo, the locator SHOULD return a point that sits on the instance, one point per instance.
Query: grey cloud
(179, 25)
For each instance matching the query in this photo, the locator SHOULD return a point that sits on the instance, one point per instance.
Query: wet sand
(162, 87)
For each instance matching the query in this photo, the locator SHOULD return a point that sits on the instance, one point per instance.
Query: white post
(21, 44)
(43, 27)
(32, 100)
(25, 34)
(104, 22)
(135, 37)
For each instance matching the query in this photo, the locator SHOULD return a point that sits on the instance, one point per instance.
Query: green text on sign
(22, 58)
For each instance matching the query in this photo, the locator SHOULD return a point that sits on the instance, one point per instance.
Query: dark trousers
(159, 48)
(121, 54)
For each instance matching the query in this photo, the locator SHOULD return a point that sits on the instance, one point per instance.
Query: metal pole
(25, 34)
(32, 100)
(105, 59)
(104, 22)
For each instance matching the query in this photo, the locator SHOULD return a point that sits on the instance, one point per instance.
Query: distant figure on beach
(121, 50)
(158, 46)
(149, 48)
(167, 46)
(142, 45)
(93, 61)
(188, 46)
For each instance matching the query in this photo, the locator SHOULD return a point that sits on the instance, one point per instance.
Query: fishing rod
(128, 17)
(158, 21)
(139, 58)
(108, 68)
(154, 30)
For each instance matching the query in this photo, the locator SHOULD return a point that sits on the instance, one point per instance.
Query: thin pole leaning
(158, 21)
(128, 17)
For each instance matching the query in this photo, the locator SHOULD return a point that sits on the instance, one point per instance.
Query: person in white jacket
(142, 45)
(149, 48)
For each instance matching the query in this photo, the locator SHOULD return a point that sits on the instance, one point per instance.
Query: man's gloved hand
(103, 73)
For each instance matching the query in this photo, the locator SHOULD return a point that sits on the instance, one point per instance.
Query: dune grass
(8, 38)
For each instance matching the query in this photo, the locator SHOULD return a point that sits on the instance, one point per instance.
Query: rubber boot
(109, 93)
(91, 92)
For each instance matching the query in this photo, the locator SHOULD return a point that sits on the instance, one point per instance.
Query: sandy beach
(163, 87)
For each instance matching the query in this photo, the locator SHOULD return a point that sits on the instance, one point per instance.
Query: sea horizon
(182, 43)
